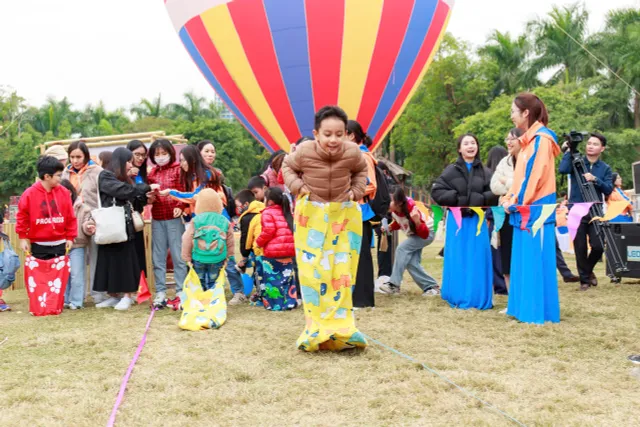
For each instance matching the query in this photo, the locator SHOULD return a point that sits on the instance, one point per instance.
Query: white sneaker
(124, 304)
(108, 303)
(432, 292)
(238, 298)
(504, 311)
(160, 298)
(100, 297)
(73, 307)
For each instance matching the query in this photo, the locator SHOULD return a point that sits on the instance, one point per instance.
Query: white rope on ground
(4, 340)
(445, 379)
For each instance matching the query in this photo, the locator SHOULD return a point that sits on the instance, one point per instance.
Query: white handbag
(111, 226)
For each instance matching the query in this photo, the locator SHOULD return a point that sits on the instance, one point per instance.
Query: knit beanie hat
(208, 201)
(58, 152)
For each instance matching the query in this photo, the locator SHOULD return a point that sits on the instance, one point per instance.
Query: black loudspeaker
(626, 237)
(635, 170)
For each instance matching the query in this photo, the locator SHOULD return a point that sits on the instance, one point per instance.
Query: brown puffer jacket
(326, 177)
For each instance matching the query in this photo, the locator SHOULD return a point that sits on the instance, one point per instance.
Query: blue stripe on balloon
(204, 68)
(288, 23)
(419, 24)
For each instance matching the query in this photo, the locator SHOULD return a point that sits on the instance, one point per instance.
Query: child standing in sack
(278, 284)
(46, 223)
(208, 241)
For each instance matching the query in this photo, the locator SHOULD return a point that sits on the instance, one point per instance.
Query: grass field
(66, 370)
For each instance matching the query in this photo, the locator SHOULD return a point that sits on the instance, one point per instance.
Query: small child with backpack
(208, 240)
(278, 284)
(418, 227)
(248, 210)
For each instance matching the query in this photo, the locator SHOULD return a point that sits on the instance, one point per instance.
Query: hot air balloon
(275, 62)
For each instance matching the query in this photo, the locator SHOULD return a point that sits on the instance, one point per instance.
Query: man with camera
(599, 173)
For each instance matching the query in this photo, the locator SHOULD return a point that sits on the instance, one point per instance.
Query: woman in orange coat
(533, 296)
(618, 195)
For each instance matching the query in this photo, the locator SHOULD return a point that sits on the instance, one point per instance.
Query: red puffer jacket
(276, 238)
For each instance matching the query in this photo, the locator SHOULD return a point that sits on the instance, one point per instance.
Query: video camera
(573, 139)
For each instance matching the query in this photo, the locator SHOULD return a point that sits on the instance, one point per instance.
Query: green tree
(18, 160)
(146, 108)
(511, 56)
(454, 87)
(194, 106)
(554, 48)
(236, 152)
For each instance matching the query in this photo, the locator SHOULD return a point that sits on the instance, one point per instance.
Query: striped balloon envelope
(274, 63)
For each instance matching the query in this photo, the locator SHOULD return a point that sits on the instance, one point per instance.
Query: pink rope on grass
(127, 376)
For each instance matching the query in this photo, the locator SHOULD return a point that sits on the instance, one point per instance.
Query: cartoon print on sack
(327, 312)
(338, 227)
(316, 274)
(32, 284)
(310, 296)
(341, 258)
(354, 240)
(325, 260)
(43, 300)
(323, 289)
(315, 239)
(55, 286)
(58, 263)
(341, 313)
(307, 257)
(287, 273)
(31, 262)
(342, 282)
(337, 297)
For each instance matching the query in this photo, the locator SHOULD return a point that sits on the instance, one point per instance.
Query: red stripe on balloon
(250, 19)
(210, 54)
(393, 26)
(438, 21)
(325, 28)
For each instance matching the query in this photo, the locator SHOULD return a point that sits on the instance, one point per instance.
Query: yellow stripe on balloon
(361, 24)
(417, 84)
(224, 36)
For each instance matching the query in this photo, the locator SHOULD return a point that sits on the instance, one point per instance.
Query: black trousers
(385, 259)
(564, 270)
(363, 293)
(587, 260)
(46, 253)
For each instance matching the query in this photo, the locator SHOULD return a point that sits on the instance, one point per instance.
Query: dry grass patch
(66, 370)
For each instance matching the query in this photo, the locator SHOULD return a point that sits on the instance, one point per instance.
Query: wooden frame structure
(114, 140)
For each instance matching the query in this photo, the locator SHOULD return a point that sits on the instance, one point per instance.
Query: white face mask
(162, 160)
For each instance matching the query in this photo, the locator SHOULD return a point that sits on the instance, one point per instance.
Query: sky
(120, 51)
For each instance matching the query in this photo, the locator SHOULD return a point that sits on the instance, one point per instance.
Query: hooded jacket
(85, 181)
(458, 186)
(46, 216)
(401, 222)
(276, 238)
(245, 220)
(326, 177)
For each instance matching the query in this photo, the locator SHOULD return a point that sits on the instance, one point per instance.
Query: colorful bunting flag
(438, 214)
(525, 212)
(499, 215)
(547, 210)
(480, 213)
(576, 213)
(613, 210)
(457, 215)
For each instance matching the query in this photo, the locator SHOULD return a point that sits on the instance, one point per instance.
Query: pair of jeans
(234, 277)
(168, 235)
(408, 257)
(76, 285)
(208, 273)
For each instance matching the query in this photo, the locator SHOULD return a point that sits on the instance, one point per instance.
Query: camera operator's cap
(57, 151)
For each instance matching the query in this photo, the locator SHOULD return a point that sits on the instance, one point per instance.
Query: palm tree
(556, 41)
(193, 107)
(620, 45)
(146, 108)
(512, 57)
(49, 116)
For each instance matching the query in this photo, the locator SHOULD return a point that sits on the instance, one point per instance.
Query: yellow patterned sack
(328, 238)
(200, 309)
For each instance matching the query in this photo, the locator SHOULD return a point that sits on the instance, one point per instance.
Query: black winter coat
(114, 191)
(459, 187)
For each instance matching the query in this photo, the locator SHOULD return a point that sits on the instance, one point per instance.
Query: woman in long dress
(533, 296)
(467, 279)
(117, 270)
(328, 176)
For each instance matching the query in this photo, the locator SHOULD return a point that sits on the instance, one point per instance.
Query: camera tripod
(603, 229)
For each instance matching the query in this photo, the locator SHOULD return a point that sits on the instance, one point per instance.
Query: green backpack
(210, 238)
